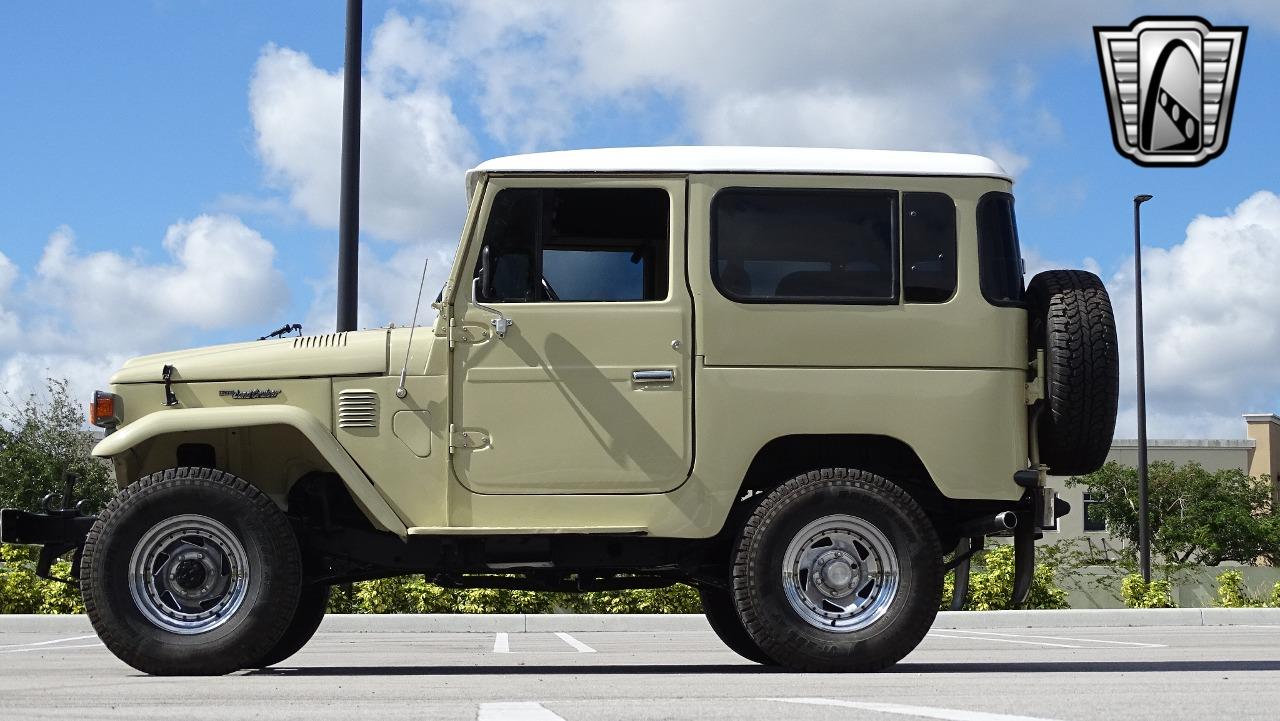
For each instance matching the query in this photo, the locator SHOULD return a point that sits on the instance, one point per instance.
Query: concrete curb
(684, 623)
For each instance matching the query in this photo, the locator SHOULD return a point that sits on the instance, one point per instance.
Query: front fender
(180, 420)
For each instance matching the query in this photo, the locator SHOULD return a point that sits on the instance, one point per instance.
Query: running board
(527, 531)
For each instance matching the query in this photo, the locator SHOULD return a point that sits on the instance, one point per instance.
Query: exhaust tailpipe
(999, 523)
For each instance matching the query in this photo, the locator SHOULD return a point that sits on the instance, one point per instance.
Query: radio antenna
(404, 369)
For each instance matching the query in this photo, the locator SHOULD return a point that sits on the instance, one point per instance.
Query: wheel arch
(216, 437)
(786, 457)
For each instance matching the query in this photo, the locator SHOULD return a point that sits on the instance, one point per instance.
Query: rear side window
(928, 247)
(1000, 269)
(775, 245)
(576, 244)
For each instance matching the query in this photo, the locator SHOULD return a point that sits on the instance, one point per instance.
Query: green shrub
(22, 591)
(677, 598)
(1233, 594)
(991, 584)
(412, 594)
(1137, 593)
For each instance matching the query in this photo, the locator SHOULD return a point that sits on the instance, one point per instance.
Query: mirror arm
(502, 322)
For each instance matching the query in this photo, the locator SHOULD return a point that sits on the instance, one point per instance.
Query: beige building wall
(1264, 430)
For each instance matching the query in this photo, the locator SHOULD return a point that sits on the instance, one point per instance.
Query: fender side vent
(357, 409)
(329, 340)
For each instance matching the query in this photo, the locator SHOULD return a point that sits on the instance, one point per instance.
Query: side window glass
(928, 247)
(772, 245)
(576, 244)
(999, 258)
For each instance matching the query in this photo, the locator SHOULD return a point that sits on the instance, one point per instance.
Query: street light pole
(349, 200)
(1144, 530)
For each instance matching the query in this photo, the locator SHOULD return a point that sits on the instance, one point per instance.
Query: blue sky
(126, 123)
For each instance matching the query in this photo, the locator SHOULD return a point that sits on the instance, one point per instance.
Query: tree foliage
(1196, 516)
(42, 436)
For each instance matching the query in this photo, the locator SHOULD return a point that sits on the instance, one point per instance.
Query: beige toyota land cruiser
(799, 380)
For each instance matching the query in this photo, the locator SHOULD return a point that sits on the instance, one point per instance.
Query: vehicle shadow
(921, 668)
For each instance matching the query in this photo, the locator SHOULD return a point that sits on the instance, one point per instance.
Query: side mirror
(485, 275)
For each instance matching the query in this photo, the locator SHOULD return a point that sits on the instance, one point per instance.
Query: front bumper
(57, 530)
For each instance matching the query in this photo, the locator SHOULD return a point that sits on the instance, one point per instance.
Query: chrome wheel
(840, 573)
(188, 574)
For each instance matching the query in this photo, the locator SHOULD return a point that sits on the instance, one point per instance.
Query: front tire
(837, 570)
(191, 571)
(722, 616)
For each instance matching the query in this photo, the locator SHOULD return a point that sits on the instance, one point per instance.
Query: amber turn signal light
(103, 411)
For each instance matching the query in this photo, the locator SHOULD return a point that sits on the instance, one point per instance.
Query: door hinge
(467, 334)
(1035, 387)
(466, 440)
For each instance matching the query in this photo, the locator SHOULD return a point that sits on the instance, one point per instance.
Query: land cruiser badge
(1170, 84)
(239, 395)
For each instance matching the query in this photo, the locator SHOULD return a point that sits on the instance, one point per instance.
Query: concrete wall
(1099, 586)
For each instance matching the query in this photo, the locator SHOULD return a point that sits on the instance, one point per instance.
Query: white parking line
(55, 648)
(935, 634)
(947, 714)
(1063, 638)
(500, 644)
(47, 643)
(515, 711)
(580, 646)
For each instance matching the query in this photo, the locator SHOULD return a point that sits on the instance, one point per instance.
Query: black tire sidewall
(272, 564)
(775, 624)
(722, 616)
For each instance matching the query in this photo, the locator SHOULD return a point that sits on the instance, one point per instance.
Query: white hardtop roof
(741, 159)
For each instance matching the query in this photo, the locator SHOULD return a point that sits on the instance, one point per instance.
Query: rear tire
(722, 615)
(310, 614)
(190, 571)
(837, 570)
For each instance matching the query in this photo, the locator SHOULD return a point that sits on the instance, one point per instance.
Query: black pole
(1144, 530)
(349, 204)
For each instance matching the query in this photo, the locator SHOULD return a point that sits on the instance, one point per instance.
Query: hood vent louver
(357, 409)
(328, 340)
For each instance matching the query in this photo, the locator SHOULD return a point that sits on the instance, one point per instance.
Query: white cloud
(413, 149)
(83, 313)
(1212, 341)
(823, 72)
(388, 287)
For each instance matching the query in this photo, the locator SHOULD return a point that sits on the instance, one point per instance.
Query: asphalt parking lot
(971, 674)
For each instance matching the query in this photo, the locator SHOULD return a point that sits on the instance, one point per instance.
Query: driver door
(589, 389)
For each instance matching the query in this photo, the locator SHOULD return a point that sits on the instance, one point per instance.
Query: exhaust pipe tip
(1007, 520)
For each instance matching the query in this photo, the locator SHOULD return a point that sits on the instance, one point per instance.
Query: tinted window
(1093, 520)
(928, 247)
(1000, 269)
(804, 246)
(596, 244)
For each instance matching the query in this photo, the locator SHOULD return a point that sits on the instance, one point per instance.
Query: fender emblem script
(239, 395)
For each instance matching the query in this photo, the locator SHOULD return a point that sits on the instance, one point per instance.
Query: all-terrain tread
(1072, 320)
(254, 646)
(787, 647)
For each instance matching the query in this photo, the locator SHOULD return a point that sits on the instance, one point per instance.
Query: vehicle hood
(334, 354)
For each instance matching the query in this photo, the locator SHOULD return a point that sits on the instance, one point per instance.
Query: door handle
(653, 376)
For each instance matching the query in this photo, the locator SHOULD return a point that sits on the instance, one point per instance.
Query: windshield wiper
(284, 330)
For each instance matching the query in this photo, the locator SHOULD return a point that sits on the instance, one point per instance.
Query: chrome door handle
(653, 376)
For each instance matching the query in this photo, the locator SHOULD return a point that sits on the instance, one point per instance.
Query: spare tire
(1071, 319)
